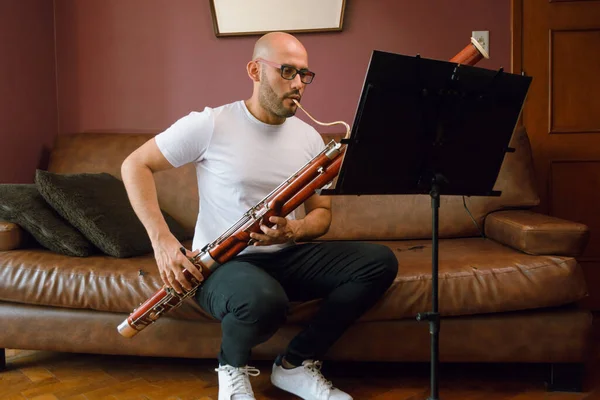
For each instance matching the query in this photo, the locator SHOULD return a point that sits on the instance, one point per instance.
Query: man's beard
(271, 102)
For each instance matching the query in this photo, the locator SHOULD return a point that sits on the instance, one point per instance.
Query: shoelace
(240, 378)
(314, 368)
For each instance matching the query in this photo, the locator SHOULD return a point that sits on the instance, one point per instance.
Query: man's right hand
(172, 263)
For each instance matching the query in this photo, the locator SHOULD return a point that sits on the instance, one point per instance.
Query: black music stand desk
(430, 127)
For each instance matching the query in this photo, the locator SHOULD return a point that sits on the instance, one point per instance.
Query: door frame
(516, 36)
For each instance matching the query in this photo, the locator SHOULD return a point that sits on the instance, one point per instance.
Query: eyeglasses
(288, 72)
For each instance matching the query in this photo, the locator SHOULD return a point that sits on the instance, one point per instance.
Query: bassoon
(314, 175)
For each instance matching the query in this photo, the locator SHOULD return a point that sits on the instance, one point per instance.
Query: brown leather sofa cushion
(23, 205)
(535, 233)
(476, 276)
(11, 236)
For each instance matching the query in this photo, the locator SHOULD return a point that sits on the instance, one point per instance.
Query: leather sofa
(509, 282)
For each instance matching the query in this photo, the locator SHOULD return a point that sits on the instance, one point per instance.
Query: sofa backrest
(410, 216)
(105, 152)
(365, 217)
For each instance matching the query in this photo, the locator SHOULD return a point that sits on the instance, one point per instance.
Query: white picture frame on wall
(257, 17)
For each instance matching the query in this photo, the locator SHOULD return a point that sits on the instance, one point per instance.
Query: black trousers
(250, 295)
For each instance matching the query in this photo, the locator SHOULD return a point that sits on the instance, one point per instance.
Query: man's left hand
(282, 232)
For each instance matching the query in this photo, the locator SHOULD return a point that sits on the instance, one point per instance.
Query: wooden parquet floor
(47, 376)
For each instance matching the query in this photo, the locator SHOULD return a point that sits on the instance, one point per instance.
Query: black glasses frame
(304, 78)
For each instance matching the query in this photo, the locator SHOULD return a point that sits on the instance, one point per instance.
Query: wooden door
(557, 42)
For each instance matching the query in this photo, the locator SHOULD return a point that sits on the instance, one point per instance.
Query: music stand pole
(433, 317)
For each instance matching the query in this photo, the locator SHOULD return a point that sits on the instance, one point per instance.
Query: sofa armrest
(537, 234)
(11, 236)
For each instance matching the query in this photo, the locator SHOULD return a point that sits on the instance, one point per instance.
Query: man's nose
(297, 82)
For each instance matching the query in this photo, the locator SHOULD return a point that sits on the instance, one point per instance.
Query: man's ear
(253, 71)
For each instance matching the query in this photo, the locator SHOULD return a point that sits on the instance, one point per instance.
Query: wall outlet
(483, 37)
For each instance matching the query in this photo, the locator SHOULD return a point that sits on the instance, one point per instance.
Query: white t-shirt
(239, 160)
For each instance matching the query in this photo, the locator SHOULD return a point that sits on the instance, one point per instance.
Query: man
(242, 151)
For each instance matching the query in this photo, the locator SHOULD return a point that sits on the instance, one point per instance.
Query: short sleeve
(187, 139)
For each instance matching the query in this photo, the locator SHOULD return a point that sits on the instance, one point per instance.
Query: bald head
(277, 45)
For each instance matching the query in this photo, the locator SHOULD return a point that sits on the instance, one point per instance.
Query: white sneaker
(306, 382)
(234, 383)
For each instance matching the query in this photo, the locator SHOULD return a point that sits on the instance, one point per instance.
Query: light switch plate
(483, 37)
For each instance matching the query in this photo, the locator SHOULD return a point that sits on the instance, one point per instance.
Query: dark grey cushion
(97, 205)
(23, 205)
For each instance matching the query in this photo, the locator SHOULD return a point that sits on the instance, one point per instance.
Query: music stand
(431, 127)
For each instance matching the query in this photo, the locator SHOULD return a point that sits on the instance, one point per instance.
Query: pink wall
(138, 65)
(28, 111)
